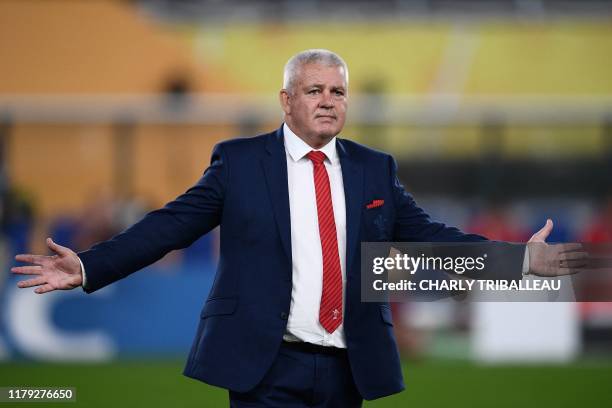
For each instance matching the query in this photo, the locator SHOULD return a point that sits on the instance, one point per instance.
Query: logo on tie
(336, 314)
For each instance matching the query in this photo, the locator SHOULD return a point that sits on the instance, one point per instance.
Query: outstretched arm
(546, 260)
(175, 226)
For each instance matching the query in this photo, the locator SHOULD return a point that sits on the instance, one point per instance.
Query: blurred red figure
(496, 224)
(600, 230)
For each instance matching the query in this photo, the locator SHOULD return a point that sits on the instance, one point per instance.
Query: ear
(285, 101)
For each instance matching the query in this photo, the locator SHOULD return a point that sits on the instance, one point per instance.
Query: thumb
(58, 249)
(543, 233)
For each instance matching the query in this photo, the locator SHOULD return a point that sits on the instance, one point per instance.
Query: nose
(327, 101)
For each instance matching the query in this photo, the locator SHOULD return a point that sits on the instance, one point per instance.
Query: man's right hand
(61, 271)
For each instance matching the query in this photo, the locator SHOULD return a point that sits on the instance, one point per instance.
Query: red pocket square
(375, 203)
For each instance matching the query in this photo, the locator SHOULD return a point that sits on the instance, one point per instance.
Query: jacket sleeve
(177, 225)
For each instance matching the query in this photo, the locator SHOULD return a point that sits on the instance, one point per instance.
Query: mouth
(333, 117)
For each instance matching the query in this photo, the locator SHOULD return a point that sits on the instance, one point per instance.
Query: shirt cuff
(83, 276)
(526, 261)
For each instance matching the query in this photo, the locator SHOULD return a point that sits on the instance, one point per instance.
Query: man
(283, 324)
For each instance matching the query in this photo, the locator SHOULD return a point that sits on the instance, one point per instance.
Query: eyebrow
(333, 87)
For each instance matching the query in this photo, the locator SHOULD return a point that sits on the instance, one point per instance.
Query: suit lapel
(352, 178)
(275, 169)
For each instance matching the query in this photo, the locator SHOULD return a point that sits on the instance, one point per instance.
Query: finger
(44, 289)
(32, 282)
(571, 247)
(58, 249)
(566, 256)
(27, 270)
(569, 271)
(575, 263)
(543, 233)
(30, 258)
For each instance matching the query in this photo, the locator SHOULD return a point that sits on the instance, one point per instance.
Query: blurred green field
(429, 384)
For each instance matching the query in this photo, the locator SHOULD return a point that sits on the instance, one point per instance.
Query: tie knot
(316, 157)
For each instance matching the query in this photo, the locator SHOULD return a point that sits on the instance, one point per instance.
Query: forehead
(321, 74)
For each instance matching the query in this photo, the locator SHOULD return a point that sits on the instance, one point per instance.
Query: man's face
(315, 107)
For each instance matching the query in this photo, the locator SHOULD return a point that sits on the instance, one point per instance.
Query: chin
(327, 132)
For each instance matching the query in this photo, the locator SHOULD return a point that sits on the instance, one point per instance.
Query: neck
(314, 141)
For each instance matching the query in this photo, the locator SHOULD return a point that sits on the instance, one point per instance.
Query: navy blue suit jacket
(244, 317)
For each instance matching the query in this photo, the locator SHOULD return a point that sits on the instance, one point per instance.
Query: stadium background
(498, 112)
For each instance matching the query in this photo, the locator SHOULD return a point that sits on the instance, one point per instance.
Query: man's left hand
(554, 259)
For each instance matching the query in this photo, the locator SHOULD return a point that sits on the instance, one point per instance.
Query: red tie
(330, 310)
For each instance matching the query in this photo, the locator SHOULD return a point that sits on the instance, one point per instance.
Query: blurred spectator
(176, 90)
(16, 219)
(600, 230)
(105, 216)
(597, 316)
(495, 223)
(100, 219)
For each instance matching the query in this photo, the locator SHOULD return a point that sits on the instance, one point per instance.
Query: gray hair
(312, 56)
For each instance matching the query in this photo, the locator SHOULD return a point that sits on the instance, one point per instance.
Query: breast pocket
(377, 225)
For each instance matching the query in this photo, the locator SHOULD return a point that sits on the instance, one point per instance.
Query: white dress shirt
(307, 255)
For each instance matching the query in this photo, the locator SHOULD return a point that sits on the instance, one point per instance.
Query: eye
(339, 92)
(314, 91)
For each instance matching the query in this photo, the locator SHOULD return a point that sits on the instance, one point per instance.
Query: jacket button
(284, 315)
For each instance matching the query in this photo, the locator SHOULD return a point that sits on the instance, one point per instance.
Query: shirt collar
(297, 148)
